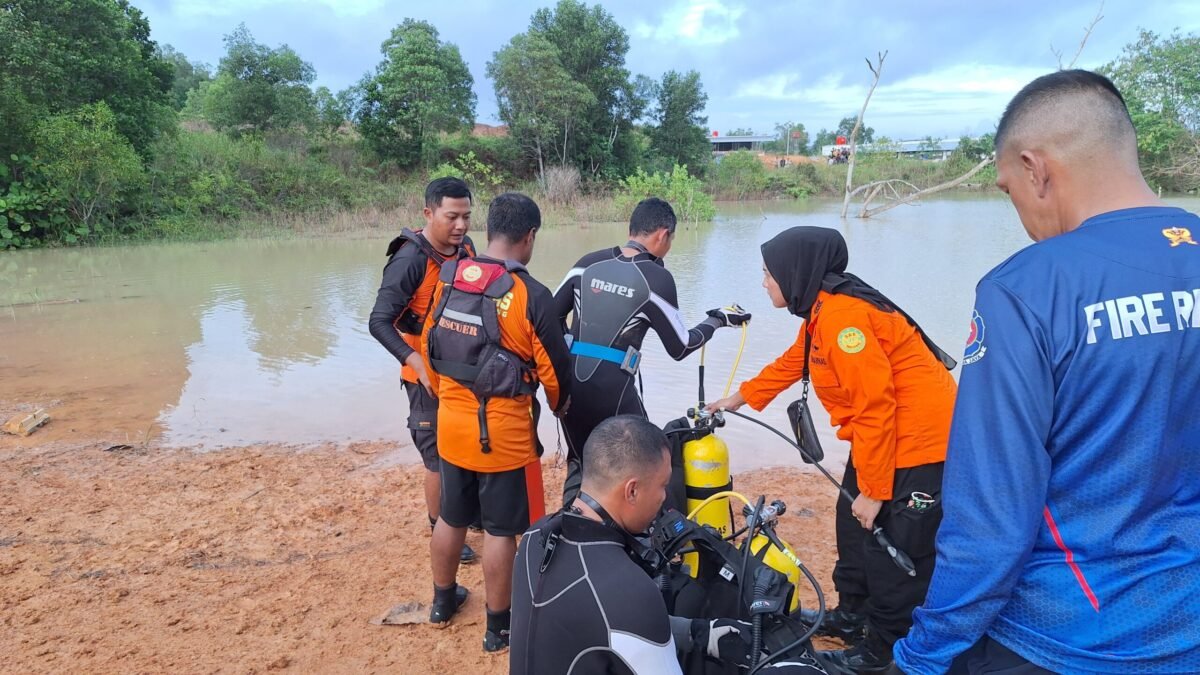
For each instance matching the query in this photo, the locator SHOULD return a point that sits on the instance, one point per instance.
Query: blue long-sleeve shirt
(1071, 532)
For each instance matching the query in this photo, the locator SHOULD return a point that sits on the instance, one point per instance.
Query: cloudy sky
(951, 66)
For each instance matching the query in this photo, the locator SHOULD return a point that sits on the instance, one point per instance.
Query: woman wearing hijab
(887, 389)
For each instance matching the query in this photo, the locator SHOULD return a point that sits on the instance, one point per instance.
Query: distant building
(921, 149)
(732, 143)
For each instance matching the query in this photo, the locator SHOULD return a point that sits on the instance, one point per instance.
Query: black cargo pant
(866, 579)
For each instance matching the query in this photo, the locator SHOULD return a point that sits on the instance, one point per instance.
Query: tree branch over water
(877, 71)
(898, 200)
(1087, 33)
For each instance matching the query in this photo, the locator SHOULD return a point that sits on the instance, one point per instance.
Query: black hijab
(807, 260)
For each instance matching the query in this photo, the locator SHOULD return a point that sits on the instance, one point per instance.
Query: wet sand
(254, 559)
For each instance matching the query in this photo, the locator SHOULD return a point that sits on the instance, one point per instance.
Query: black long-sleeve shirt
(405, 293)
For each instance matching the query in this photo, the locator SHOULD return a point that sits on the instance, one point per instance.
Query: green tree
(823, 138)
(421, 87)
(680, 133)
(976, 149)
(865, 135)
(59, 55)
(1160, 80)
(739, 175)
(791, 136)
(331, 111)
(188, 74)
(684, 191)
(592, 48)
(538, 99)
(85, 158)
(258, 89)
(740, 131)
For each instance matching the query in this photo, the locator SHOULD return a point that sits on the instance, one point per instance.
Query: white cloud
(966, 91)
(697, 22)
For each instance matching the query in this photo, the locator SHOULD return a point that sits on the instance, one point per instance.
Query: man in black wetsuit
(616, 295)
(584, 605)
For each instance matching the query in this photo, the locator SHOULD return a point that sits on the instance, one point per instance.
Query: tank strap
(702, 493)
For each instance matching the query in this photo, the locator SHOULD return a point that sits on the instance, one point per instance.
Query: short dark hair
(622, 446)
(1057, 87)
(440, 188)
(513, 216)
(650, 216)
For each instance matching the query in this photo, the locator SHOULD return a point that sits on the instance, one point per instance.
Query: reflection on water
(266, 341)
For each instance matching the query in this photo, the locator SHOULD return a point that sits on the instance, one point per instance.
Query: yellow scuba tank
(776, 559)
(705, 473)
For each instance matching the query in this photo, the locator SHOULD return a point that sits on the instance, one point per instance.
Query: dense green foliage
(421, 87)
(679, 134)
(109, 135)
(1160, 79)
(684, 191)
(591, 47)
(538, 99)
(59, 55)
(188, 74)
(91, 165)
(257, 89)
(739, 175)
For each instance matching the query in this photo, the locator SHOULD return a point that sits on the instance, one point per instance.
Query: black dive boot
(496, 637)
(870, 657)
(446, 602)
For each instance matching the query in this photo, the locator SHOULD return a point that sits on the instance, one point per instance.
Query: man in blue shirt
(1071, 532)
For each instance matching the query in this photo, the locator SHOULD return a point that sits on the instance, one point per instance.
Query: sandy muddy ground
(141, 559)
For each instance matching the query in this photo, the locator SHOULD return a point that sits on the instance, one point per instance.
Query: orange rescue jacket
(422, 298)
(884, 390)
(528, 329)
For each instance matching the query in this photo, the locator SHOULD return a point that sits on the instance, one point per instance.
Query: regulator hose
(899, 557)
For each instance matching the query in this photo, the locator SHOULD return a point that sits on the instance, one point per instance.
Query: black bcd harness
(464, 338)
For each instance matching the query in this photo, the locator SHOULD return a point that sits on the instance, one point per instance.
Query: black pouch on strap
(800, 418)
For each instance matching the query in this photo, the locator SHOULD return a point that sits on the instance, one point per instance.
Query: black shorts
(422, 423)
(507, 502)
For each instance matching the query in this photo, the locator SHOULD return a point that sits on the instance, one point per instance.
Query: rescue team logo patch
(975, 348)
(851, 340)
(1179, 236)
(472, 273)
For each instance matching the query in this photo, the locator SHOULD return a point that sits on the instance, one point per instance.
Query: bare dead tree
(1087, 33)
(1184, 161)
(890, 188)
(876, 70)
(898, 199)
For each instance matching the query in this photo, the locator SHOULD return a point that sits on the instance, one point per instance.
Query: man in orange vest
(490, 341)
(405, 297)
(887, 388)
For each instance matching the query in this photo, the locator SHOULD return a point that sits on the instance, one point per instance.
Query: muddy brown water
(265, 341)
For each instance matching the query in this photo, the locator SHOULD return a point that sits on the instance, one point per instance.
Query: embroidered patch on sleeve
(851, 340)
(975, 348)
